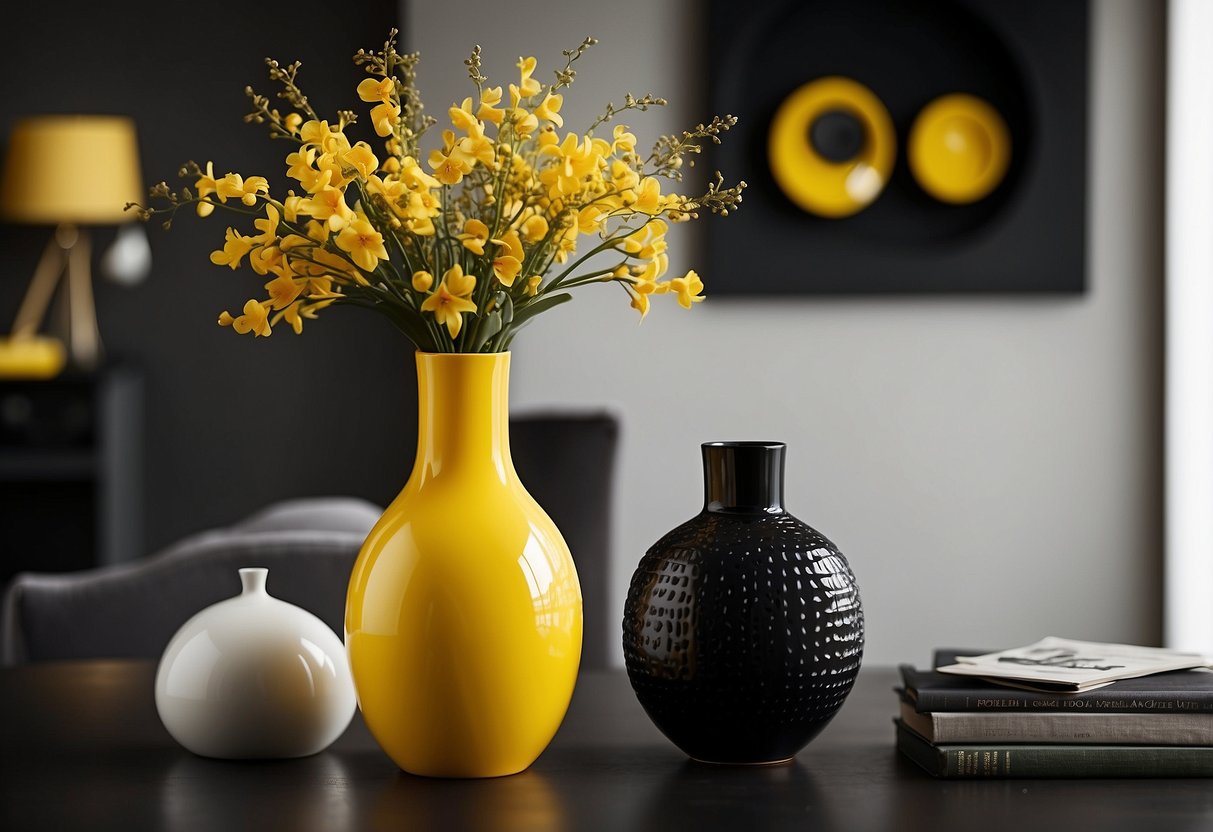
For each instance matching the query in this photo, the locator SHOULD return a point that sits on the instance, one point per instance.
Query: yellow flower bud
(422, 281)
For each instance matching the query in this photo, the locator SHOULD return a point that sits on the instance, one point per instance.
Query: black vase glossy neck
(743, 477)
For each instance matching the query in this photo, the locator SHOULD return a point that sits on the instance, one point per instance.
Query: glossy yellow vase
(463, 619)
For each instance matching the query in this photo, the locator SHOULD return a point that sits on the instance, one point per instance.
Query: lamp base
(66, 257)
(36, 357)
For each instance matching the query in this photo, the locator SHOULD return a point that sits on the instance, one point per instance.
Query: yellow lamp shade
(71, 169)
(831, 147)
(959, 148)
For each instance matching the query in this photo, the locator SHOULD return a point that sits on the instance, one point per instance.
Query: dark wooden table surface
(83, 749)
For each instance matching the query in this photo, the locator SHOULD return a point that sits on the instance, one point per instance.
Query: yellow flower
(291, 207)
(549, 109)
(420, 227)
(299, 163)
(640, 303)
(524, 122)
(376, 90)
(648, 200)
(688, 289)
(361, 158)
(589, 219)
(462, 117)
(316, 132)
(234, 249)
(534, 229)
(265, 259)
(646, 241)
(528, 85)
(506, 268)
(532, 285)
(384, 118)
(449, 168)
(236, 187)
(283, 290)
(321, 287)
(653, 269)
(268, 226)
(622, 176)
(576, 161)
(476, 147)
(641, 289)
(460, 284)
(624, 142)
(450, 301)
(328, 204)
(332, 172)
(490, 97)
(422, 205)
(475, 235)
(206, 185)
(291, 316)
(422, 281)
(363, 243)
(255, 319)
(412, 175)
(292, 122)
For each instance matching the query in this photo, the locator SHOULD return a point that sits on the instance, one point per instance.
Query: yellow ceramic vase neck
(463, 408)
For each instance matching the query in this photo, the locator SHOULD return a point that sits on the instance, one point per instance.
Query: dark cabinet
(71, 471)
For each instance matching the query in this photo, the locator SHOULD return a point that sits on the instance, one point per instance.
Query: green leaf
(488, 328)
(543, 304)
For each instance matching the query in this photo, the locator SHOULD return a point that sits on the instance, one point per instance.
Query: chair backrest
(567, 463)
(132, 610)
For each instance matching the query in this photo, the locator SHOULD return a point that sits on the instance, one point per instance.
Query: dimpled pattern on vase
(743, 634)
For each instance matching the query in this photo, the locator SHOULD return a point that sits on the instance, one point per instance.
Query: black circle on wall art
(837, 135)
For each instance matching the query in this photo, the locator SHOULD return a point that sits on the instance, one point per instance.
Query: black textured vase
(743, 630)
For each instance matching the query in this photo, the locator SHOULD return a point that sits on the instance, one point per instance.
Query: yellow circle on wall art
(831, 147)
(959, 148)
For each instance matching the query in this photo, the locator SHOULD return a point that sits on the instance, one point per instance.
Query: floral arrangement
(462, 251)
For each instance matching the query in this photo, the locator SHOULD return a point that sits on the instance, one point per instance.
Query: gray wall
(989, 465)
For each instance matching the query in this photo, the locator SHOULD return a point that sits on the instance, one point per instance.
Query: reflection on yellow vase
(463, 619)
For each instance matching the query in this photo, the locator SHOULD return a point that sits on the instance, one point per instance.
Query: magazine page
(1066, 664)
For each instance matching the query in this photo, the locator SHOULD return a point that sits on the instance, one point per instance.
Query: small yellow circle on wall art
(959, 148)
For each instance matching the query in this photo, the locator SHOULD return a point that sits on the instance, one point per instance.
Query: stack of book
(961, 726)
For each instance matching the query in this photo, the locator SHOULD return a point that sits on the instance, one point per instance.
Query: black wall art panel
(901, 146)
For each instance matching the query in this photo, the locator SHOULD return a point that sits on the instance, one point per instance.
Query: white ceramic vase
(254, 677)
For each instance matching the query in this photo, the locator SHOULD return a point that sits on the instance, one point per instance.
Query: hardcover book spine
(1166, 702)
(930, 698)
(1011, 761)
(1079, 728)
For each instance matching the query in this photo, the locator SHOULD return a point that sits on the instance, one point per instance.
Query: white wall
(1189, 328)
(989, 465)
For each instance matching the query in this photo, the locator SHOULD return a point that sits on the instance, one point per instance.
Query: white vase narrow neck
(253, 581)
(463, 416)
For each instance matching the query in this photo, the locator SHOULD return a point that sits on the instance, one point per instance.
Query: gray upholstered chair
(131, 610)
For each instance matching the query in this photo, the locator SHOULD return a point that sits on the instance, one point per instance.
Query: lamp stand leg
(41, 289)
(85, 337)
